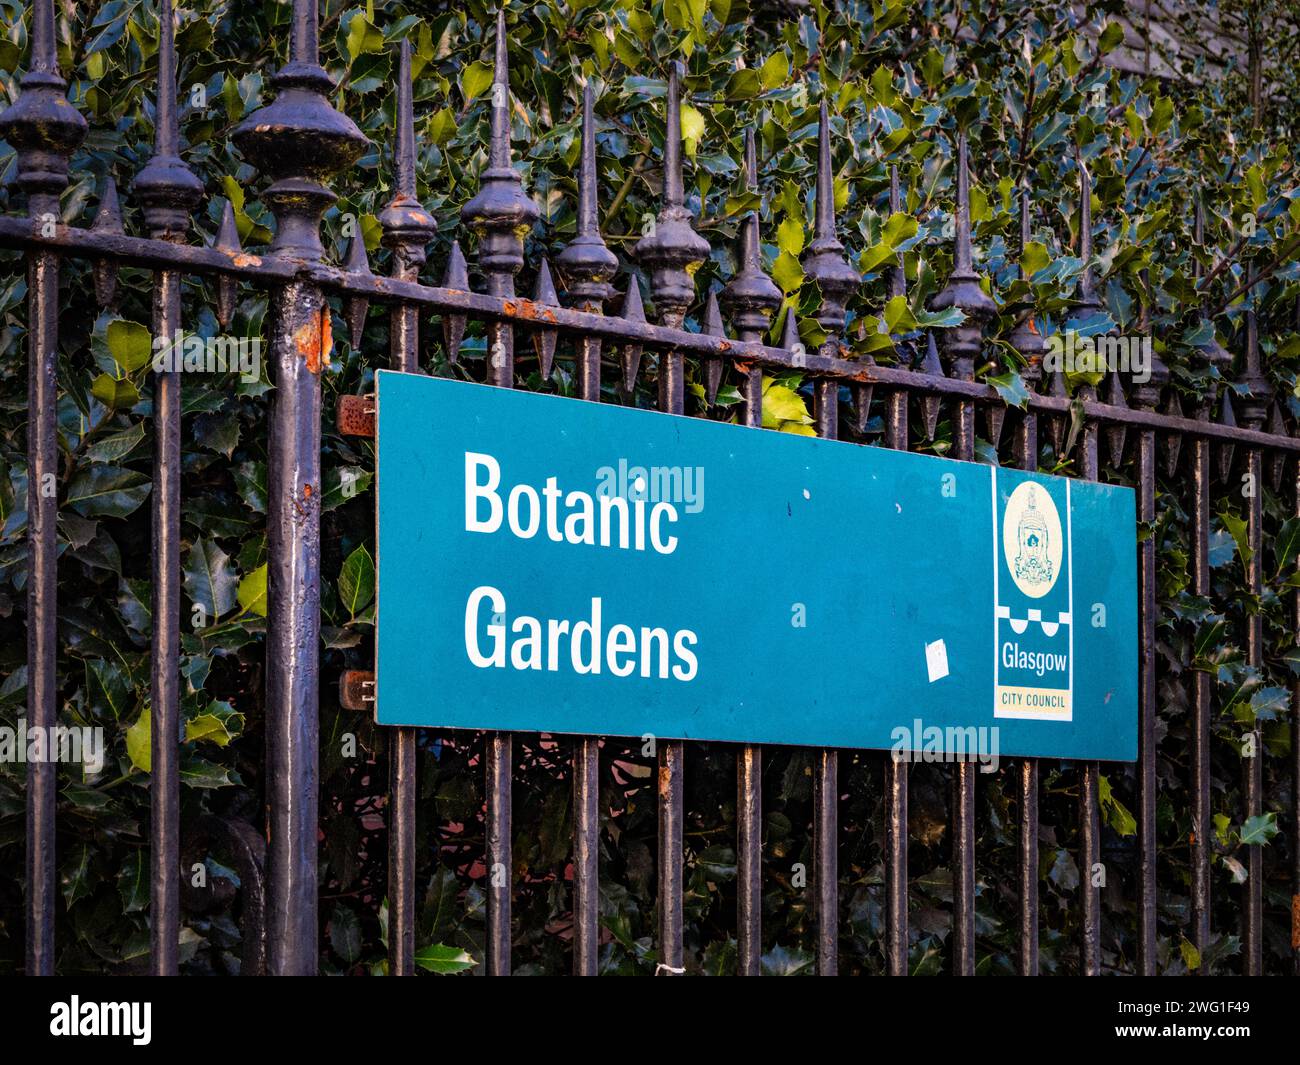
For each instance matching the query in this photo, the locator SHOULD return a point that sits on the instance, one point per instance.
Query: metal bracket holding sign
(552, 566)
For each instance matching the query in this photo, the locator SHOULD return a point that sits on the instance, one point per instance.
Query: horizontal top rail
(22, 233)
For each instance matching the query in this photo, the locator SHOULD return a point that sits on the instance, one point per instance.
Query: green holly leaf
(252, 592)
(138, 747)
(443, 959)
(357, 581)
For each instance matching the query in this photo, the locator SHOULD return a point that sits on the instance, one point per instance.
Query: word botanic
(605, 520)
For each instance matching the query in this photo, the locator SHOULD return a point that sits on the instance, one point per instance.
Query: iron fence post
(750, 298)
(961, 347)
(1029, 343)
(587, 267)
(1254, 409)
(44, 132)
(407, 229)
(500, 214)
(168, 191)
(296, 140)
(671, 251)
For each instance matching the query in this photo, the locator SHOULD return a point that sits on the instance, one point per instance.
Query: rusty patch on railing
(357, 689)
(314, 340)
(355, 415)
(1295, 922)
(528, 310)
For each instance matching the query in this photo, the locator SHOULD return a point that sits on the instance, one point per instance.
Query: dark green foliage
(900, 77)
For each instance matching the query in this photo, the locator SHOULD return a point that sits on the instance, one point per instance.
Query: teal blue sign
(549, 565)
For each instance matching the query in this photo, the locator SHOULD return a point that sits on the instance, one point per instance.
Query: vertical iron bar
(293, 634)
(896, 775)
(587, 267)
(42, 589)
(44, 131)
(826, 787)
(1026, 340)
(964, 781)
(671, 252)
(896, 770)
(1146, 514)
(1147, 393)
(751, 298)
(749, 861)
(1027, 448)
(1089, 800)
(164, 783)
(837, 280)
(407, 228)
(586, 857)
(672, 753)
(501, 213)
(1254, 409)
(961, 347)
(169, 191)
(1201, 695)
(1295, 775)
(1253, 940)
(1201, 825)
(1090, 470)
(300, 348)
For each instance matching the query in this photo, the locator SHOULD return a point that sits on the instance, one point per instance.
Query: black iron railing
(297, 141)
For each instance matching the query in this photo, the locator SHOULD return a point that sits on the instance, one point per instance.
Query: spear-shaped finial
(457, 279)
(897, 275)
(1215, 354)
(44, 53)
(1086, 294)
(1147, 393)
(42, 128)
(633, 310)
(1025, 337)
(931, 402)
(963, 343)
(500, 147)
(586, 265)
(304, 44)
(1258, 388)
(298, 140)
(167, 188)
(712, 364)
(672, 250)
(108, 219)
(824, 260)
(356, 263)
(502, 211)
(406, 225)
(227, 286)
(1279, 459)
(544, 339)
(750, 298)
